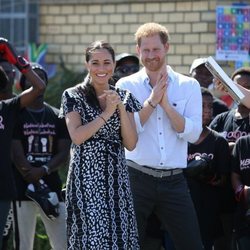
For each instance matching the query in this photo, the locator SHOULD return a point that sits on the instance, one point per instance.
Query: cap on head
(34, 66)
(196, 63)
(241, 71)
(123, 56)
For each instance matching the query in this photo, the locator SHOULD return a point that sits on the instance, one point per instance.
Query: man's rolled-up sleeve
(193, 116)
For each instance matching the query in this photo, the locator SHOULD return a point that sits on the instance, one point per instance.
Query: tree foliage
(64, 78)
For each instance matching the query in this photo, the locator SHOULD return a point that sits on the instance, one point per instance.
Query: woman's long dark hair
(88, 88)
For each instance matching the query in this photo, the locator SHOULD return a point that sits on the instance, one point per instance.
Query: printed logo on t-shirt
(40, 141)
(232, 136)
(244, 164)
(192, 156)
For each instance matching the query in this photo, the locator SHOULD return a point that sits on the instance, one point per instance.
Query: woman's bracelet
(151, 104)
(103, 119)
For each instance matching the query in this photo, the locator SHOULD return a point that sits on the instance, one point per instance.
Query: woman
(100, 213)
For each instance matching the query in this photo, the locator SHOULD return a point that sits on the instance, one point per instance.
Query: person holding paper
(232, 125)
(246, 100)
(199, 71)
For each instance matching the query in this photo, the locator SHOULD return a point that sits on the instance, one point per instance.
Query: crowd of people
(156, 160)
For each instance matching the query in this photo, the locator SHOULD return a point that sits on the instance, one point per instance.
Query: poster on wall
(233, 33)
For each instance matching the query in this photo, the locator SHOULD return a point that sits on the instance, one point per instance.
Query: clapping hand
(159, 90)
(112, 100)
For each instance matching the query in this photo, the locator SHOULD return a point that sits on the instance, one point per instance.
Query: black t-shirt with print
(241, 159)
(218, 106)
(8, 112)
(216, 148)
(206, 198)
(241, 166)
(230, 127)
(39, 132)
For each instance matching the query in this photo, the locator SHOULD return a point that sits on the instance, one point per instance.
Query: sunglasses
(125, 69)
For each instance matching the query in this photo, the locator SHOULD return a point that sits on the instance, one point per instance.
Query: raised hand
(159, 90)
(219, 86)
(112, 100)
(8, 53)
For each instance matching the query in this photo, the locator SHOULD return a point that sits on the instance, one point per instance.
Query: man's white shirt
(159, 145)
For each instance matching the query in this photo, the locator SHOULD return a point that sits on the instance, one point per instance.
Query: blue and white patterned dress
(100, 212)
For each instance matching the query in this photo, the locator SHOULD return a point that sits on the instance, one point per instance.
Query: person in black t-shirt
(235, 123)
(8, 111)
(199, 71)
(232, 125)
(40, 147)
(204, 190)
(241, 184)
(245, 90)
(7, 93)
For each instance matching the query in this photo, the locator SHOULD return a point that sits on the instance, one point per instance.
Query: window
(19, 22)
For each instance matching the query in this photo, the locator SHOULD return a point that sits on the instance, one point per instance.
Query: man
(126, 64)
(205, 186)
(171, 117)
(8, 111)
(240, 177)
(199, 71)
(7, 93)
(40, 146)
(235, 123)
(232, 125)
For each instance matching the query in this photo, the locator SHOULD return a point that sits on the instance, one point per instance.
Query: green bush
(63, 79)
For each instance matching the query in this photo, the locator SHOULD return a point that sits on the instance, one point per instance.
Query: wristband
(151, 104)
(47, 170)
(22, 64)
(103, 119)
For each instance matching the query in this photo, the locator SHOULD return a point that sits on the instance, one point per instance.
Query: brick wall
(69, 28)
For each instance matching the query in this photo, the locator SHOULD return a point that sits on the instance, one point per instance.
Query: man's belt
(158, 173)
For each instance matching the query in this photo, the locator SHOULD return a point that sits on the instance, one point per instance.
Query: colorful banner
(233, 33)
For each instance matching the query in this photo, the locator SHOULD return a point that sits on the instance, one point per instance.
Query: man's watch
(47, 170)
